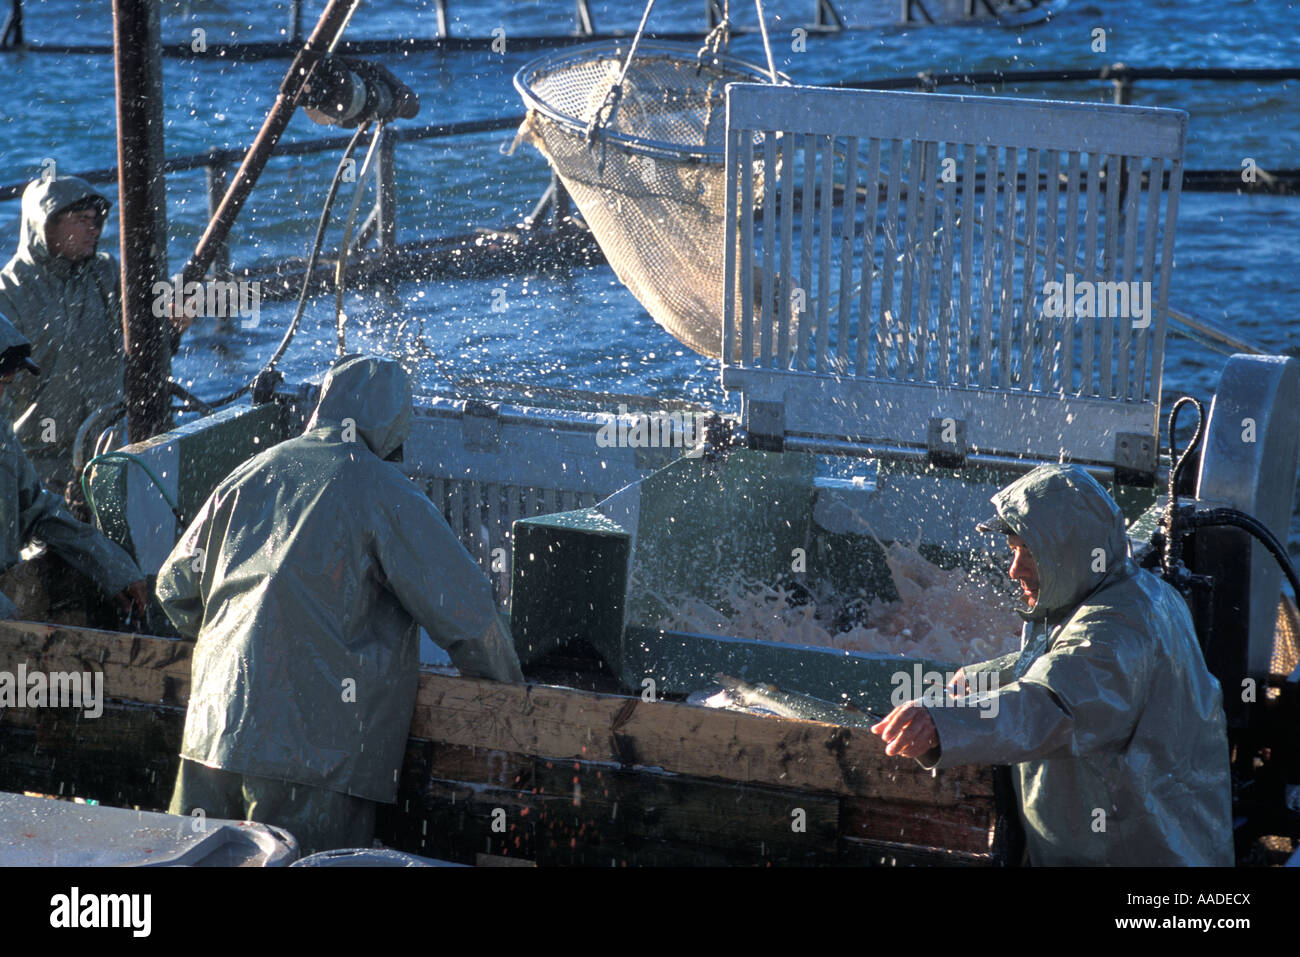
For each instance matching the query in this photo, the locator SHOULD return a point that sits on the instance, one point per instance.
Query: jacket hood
(43, 199)
(375, 394)
(1074, 531)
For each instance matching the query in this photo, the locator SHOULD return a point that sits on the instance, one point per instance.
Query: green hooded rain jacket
(1113, 724)
(28, 510)
(71, 313)
(303, 579)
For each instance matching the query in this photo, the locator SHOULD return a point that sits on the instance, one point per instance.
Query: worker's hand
(134, 596)
(908, 731)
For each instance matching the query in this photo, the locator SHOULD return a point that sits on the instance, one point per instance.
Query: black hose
(1178, 462)
(1248, 523)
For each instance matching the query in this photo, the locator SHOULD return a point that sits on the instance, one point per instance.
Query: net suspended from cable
(636, 134)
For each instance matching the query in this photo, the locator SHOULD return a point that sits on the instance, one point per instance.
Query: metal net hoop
(650, 183)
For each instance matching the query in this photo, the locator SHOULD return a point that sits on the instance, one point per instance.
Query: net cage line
(651, 183)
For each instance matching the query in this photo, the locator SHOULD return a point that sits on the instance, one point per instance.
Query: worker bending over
(1114, 725)
(303, 579)
(29, 511)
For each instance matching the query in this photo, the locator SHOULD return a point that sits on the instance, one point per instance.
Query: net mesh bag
(651, 185)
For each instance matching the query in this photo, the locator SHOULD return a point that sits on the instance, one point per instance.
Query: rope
(718, 39)
(767, 44)
(307, 274)
(615, 93)
(341, 269)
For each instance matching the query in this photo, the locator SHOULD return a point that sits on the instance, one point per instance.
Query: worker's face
(1024, 569)
(5, 380)
(74, 235)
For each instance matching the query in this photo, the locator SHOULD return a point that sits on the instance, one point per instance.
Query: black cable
(1178, 462)
(1248, 523)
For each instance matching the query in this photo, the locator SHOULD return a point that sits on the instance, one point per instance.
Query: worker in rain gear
(1114, 725)
(28, 510)
(303, 579)
(66, 299)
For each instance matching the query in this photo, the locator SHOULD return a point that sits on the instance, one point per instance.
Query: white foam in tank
(941, 614)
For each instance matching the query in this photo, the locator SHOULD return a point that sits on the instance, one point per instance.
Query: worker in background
(65, 297)
(1114, 725)
(28, 510)
(303, 580)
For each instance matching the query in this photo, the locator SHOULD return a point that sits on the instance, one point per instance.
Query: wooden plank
(962, 827)
(864, 853)
(633, 806)
(561, 723)
(126, 757)
(135, 667)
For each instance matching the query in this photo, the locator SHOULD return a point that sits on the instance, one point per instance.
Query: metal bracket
(945, 442)
(765, 423)
(1135, 458)
(481, 426)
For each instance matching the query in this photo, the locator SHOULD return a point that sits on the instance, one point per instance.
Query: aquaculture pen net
(650, 185)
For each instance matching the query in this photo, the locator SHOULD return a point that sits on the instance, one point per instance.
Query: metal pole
(386, 192)
(137, 59)
(328, 28)
(295, 21)
(586, 25)
(440, 7)
(217, 175)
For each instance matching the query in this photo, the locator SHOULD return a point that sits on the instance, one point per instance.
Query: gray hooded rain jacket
(1114, 725)
(28, 510)
(71, 312)
(303, 579)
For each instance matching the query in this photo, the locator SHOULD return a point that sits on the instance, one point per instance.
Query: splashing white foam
(941, 614)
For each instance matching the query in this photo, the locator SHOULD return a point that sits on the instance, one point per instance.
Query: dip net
(649, 178)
